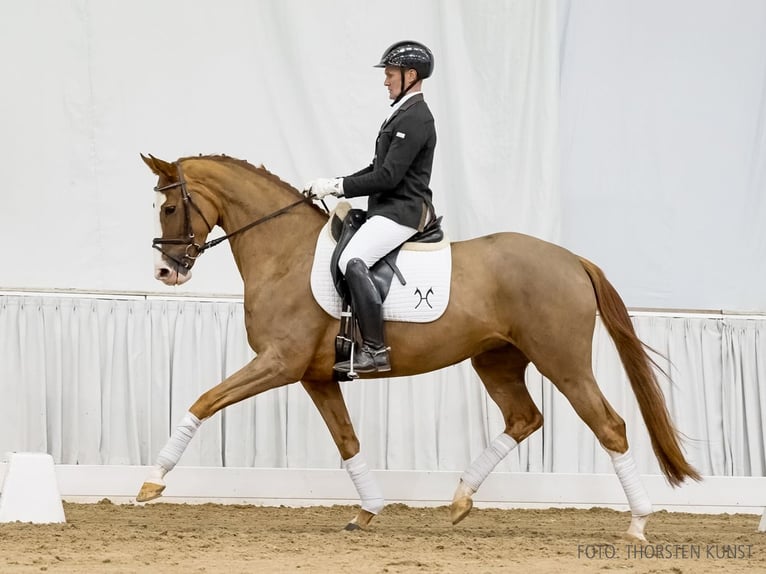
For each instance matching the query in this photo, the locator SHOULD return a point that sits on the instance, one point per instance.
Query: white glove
(324, 186)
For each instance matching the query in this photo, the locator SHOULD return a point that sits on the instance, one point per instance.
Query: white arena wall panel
(326, 487)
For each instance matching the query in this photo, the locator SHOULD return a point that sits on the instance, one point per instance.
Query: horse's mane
(259, 171)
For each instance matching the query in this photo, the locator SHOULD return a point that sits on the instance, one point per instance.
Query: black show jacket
(397, 180)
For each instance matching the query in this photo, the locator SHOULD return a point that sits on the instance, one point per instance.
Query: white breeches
(376, 238)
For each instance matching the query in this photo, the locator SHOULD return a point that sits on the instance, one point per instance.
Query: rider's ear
(158, 166)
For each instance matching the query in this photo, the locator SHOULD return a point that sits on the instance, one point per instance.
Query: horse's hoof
(361, 521)
(633, 538)
(460, 508)
(635, 531)
(150, 491)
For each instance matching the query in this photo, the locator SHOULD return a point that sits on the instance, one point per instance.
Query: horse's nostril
(164, 272)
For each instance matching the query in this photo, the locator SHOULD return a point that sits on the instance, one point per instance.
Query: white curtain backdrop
(290, 84)
(103, 381)
(632, 133)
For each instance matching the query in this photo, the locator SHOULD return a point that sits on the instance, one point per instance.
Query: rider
(399, 198)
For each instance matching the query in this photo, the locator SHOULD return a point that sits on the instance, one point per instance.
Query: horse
(514, 300)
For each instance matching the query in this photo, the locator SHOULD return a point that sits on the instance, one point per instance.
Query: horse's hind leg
(329, 401)
(588, 401)
(502, 372)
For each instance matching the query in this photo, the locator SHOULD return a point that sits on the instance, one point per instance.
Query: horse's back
(523, 256)
(533, 279)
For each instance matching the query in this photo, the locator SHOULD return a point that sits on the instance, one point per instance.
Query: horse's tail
(638, 366)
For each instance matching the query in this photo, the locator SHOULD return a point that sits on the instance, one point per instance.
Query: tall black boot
(372, 356)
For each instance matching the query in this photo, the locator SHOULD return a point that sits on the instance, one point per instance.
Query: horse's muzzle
(170, 276)
(171, 273)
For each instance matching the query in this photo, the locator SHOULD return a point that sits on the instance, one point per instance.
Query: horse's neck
(268, 248)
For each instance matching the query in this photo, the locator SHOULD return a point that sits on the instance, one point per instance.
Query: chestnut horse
(514, 300)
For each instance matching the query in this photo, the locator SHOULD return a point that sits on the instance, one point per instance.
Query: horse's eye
(170, 210)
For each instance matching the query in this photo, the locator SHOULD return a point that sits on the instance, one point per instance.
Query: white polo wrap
(480, 468)
(368, 489)
(627, 472)
(178, 441)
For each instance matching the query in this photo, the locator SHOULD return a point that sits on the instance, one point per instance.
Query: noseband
(194, 249)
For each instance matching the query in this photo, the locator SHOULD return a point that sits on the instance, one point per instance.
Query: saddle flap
(343, 225)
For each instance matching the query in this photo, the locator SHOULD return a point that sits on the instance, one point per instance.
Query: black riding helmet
(408, 55)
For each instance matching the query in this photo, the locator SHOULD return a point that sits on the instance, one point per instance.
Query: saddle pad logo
(423, 299)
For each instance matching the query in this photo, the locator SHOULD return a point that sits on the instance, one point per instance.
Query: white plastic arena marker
(30, 492)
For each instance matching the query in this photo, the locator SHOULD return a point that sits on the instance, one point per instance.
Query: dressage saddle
(343, 225)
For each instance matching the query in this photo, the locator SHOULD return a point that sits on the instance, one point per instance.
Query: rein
(194, 249)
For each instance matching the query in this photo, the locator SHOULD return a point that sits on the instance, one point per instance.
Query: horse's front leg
(329, 401)
(264, 372)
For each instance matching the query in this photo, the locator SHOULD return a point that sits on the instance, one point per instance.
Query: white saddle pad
(426, 268)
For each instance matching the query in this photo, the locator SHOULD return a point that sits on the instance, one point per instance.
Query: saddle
(345, 222)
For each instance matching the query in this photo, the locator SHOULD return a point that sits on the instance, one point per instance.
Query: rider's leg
(372, 355)
(376, 238)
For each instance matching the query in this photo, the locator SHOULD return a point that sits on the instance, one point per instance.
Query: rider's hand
(324, 186)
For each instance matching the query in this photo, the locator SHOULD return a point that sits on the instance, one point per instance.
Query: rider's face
(393, 81)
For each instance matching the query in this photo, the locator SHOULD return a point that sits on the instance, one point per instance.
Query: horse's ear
(158, 166)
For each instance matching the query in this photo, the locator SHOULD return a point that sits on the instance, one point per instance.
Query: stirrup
(365, 360)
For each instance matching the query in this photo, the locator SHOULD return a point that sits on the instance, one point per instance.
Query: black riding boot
(372, 356)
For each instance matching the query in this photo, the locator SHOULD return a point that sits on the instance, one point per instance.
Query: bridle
(194, 249)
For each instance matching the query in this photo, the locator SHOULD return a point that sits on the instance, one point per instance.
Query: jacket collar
(406, 104)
